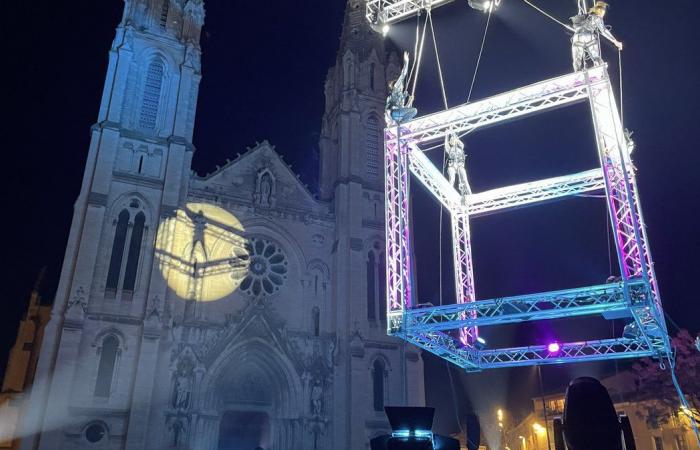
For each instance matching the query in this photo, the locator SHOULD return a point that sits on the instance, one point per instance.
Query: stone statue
(317, 398)
(183, 389)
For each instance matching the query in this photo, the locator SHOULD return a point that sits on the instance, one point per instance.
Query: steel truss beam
(591, 300)
(446, 347)
(387, 12)
(538, 97)
(505, 198)
(450, 331)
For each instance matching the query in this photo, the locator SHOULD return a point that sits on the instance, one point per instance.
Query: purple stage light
(554, 347)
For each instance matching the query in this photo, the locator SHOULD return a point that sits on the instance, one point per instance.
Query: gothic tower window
(378, 375)
(115, 263)
(151, 94)
(371, 286)
(316, 317)
(376, 283)
(164, 10)
(132, 261)
(381, 288)
(372, 70)
(373, 146)
(105, 370)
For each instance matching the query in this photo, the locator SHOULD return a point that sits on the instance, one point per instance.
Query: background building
(231, 310)
(21, 367)
(673, 433)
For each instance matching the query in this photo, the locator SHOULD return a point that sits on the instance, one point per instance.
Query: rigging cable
(546, 14)
(444, 99)
(437, 58)
(622, 105)
(478, 59)
(419, 58)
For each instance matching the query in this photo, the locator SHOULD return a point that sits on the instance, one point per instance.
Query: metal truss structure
(451, 331)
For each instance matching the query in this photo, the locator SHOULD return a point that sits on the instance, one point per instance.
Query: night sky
(264, 65)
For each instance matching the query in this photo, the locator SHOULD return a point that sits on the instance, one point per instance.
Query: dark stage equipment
(412, 430)
(590, 420)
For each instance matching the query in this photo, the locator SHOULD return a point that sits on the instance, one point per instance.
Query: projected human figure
(398, 103)
(585, 44)
(456, 159)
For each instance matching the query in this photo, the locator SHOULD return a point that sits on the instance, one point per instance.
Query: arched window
(316, 317)
(372, 70)
(151, 94)
(105, 370)
(371, 286)
(373, 146)
(115, 262)
(378, 373)
(164, 10)
(132, 261)
(381, 288)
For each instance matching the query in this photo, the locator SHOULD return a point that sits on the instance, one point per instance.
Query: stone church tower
(233, 310)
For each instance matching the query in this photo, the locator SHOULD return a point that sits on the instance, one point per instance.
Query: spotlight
(484, 5)
(631, 331)
(385, 29)
(480, 343)
(554, 347)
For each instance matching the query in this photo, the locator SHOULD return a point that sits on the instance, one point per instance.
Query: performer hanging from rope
(454, 148)
(398, 104)
(585, 44)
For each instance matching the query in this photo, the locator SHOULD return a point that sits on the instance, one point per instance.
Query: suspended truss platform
(452, 331)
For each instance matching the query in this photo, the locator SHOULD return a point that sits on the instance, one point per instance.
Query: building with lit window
(234, 310)
(673, 433)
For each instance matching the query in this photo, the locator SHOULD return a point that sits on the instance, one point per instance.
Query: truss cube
(451, 331)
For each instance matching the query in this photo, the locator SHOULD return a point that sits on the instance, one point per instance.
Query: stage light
(385, 29)
(480, 343)
(554, 347)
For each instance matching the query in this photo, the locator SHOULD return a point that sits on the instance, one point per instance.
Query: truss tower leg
(464, 270)
(398, 265)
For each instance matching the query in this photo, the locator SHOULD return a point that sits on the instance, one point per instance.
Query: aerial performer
(398, 104)
(454, 148)
(585, 44)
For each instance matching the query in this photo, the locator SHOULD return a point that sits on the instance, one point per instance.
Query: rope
(437, 58)
(481, 51)
(549, 16)
(444, 100)
(454, 397)
(622, 106)
(415, 47)
(418, 60)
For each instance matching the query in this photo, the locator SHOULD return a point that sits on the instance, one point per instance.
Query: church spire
(357, 34)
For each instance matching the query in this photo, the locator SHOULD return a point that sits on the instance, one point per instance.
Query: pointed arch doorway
(244, 430)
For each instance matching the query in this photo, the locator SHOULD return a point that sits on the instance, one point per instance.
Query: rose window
(267, 270)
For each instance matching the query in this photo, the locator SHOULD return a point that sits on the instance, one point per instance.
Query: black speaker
(473, 431)
(590, 420)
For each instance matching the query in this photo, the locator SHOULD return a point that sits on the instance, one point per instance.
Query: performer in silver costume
(585, 44)
(456, 159)
(398, 103)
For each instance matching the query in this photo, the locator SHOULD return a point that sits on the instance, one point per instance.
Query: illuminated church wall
(189, 303)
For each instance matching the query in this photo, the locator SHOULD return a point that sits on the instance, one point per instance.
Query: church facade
(232, 311)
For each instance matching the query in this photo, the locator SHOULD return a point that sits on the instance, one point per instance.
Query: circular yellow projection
(202, 253)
